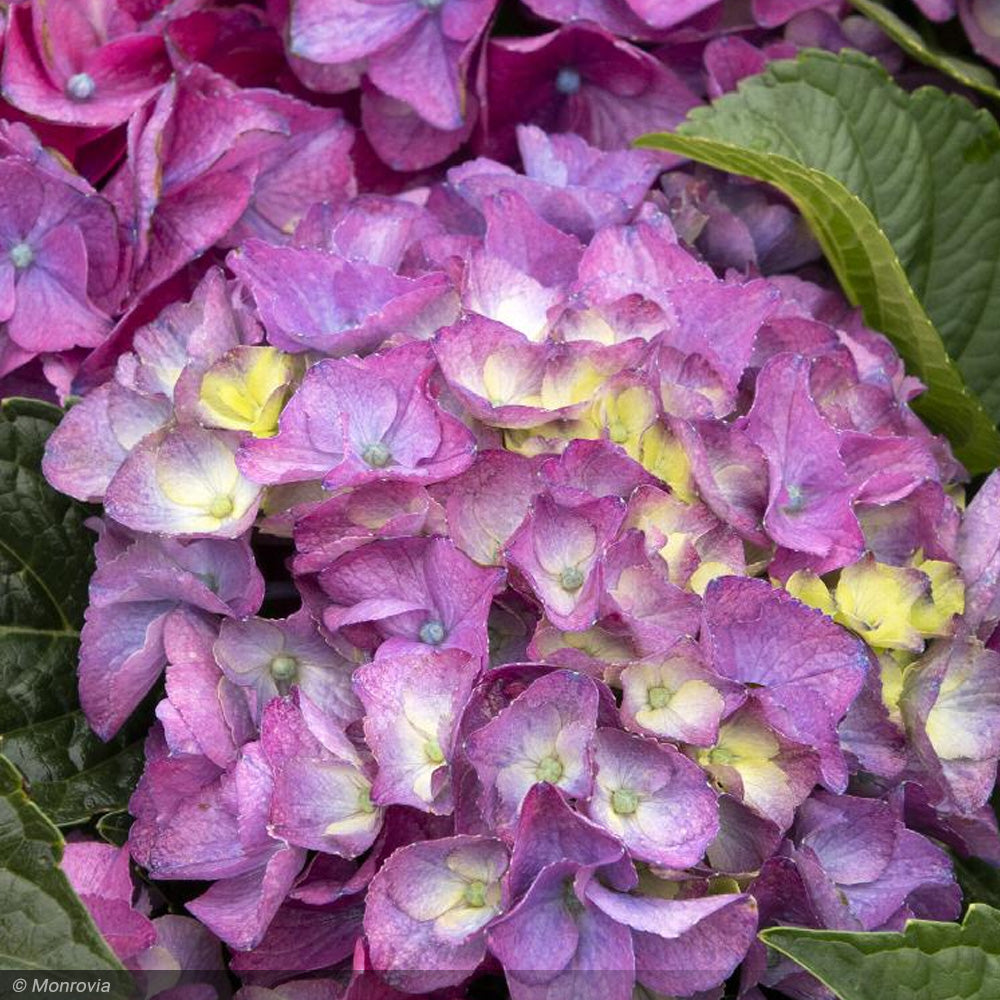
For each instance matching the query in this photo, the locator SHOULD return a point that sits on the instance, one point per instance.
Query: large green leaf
(970, 74)
(927, 961)
(46, 558)
(43, 925)
(903, 193)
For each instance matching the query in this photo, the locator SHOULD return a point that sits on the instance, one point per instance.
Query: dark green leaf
(43, 925)
(114, 827)
(929, 960)
(970, 74)
(980, 881)
(903, 193)
(46, 558)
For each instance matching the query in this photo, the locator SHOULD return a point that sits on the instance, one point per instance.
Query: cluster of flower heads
(638, 610)
(140, 139)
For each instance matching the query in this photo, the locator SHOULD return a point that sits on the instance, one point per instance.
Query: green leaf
(43, 925)
(46, 558)
(927, 961)
(980, 881)
(903, 193)
(970, 74)
(114, 827)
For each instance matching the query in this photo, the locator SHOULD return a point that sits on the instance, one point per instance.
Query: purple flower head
(81, 64)
(59, 262)
(271, 657)
(193, 157)
(681, 946)
(979, 18)
(311, 166)
(413, 50)
(810, 496)
(580, 79)
(486, 504)
(589, 469)
(132, 592)
(802, 669)
(186, 338)
(195, 821)
(183, 480)
(428, 909)
(645, 20)
(676, 696)
(640, 598)
(203, 712)
(315, 299)
(555, 941)
(864, 870)
(412, 704)
(951, 708)
(570, 184)
(979, 555)
(504, 380)
(90, 444)
(560, 552)
(100, 876)
(379, 509)
(383, 424)
(652, 797)
(692, 542)
(734, 224)
(413, 592)
(730, 474)
(322, 788)
(759, 767)
(545, 734)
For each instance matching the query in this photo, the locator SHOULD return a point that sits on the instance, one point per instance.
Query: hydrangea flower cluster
(638, 609)
(633, 609)
(165, 131)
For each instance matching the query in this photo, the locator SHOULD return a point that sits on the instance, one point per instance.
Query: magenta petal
(545, 734)
(806, 670)
(810, 497)
(239, 909)
(682, 945)
(428, 908)
(412, 703)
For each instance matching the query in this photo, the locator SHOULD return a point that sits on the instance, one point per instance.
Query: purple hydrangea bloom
(428, 909)
(545, 734)
(138, 582)
(580, 79)
(410, 593)
(385, 425)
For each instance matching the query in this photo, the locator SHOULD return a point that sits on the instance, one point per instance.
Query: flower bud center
(432, 751)
(549, 769)
(283, 667)
(475, 894)
(377, 455)
(432, 632)
(568, 80)
(624, 801)
(365, 800)
(571, 579)
(658, 697)
(81, 86)
(21, 255)
(220, 507)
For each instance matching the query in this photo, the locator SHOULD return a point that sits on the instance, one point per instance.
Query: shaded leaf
(43, 925)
